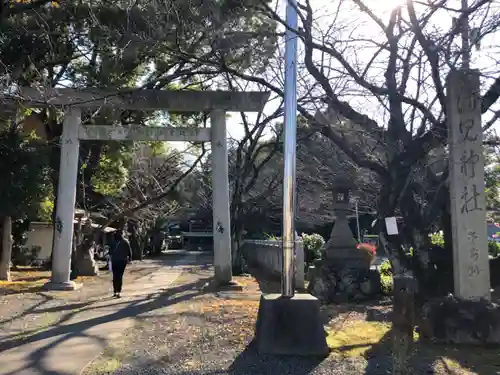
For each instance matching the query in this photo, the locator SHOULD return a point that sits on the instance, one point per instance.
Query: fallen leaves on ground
(19, 286)
(28, 280)
(229, 320)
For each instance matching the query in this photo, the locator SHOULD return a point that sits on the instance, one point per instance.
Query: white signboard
(391, 225)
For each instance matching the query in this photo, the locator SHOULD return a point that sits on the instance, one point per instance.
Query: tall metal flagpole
(287, 287)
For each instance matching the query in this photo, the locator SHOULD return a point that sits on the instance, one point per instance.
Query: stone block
(449, 320)
(290, 326)
(60, 287)
(86, 265)
(340, 284)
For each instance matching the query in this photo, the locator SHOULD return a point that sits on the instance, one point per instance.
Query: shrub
(386, 269)
(493, 248)
(271, 237)
(369, 250)
(26, 256)
(313, 244)
(368, 247)
(437, 239)
(386, 277)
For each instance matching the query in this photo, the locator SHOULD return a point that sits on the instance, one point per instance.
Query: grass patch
(462, 359)
(355, 338)
(387, 284)
(359, 338)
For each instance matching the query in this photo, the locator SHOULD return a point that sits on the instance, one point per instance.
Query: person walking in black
(120, 256)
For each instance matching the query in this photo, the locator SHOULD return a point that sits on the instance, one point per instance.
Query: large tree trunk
(90, 154)
(135, 244)
(6, 248)
(238, 265)
(392, 187)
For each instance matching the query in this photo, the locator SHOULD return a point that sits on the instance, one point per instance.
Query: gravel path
(24, 314)
(182, 329)
(196, 333)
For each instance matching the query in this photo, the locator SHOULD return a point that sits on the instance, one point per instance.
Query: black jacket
(121, 251)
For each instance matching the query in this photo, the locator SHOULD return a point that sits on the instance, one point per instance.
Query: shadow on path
(248, 362)
(65, 330)
(251, 362)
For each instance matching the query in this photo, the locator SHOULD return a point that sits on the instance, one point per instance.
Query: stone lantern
(344, 271)
(341, 247)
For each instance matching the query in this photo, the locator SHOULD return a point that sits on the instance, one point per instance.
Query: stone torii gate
(73, 101)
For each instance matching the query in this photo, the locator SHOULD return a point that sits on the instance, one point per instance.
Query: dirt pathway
(59, 333)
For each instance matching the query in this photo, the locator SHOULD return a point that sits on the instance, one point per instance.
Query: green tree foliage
(46, 208)
(494, 248)
(112, 173)
(313, 243)
(111, 44)
(24, 169)
(492, 179)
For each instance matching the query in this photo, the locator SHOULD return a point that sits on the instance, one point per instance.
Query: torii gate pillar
(65, 208)
(217, 103)
(220, 199)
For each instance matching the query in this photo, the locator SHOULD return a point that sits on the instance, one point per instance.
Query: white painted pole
(66, 197)
(287, 288)
(220, 196)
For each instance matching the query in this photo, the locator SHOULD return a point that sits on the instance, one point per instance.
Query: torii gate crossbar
(217, 103)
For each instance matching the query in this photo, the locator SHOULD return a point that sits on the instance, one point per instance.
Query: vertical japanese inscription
(466, 105)
(470, 199)
(473, 269)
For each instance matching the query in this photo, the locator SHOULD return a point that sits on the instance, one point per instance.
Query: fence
(267, 256)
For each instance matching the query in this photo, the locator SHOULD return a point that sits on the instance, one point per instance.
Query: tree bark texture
(6, 254)
(403, 323)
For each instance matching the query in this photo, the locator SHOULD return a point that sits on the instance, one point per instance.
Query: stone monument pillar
(467, 190)
(468, 316)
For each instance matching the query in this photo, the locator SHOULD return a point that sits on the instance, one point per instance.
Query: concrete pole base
(290, 326)
(63, 286)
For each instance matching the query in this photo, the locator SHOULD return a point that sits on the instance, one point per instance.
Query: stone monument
(343, 273)
(467, 191)
(85, 264)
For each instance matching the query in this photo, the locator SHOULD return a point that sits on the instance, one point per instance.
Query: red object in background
(370, 247)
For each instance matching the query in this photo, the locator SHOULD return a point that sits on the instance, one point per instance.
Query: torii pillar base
(61, 286)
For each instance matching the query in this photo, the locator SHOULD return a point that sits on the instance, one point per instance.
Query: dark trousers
(118, 267)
